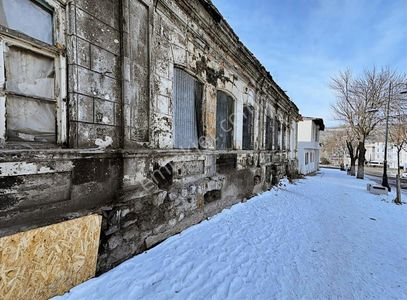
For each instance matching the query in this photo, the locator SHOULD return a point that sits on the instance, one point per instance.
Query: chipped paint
(121, 160)
(104, 143)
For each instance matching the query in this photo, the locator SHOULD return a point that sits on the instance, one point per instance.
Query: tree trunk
(398, 161)
(352, 170)
(398, 188)
(361, 161)
(353, 158)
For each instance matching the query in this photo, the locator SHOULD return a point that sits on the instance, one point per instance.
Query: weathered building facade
(150, 114)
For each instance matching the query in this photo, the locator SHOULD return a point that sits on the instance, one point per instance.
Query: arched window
(224, 121)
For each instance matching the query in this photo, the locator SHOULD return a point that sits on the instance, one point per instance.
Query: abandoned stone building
(123, 123)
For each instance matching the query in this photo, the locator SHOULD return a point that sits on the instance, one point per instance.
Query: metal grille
(248, 127)
(187, 110)
(224, 121)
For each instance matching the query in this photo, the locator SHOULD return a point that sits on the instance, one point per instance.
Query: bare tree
(344, 110)
(360, 104)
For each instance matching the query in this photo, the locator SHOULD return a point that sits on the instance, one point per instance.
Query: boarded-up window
(32, 75)
(269, 134)
(284, 132)
(187, 110)
(28, 17)
(30, 90)
(248, 127)
(224, 121)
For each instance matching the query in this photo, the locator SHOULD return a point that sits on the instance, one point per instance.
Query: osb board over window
(48, 261)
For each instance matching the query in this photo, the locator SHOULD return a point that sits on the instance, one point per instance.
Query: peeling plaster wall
(121, 163)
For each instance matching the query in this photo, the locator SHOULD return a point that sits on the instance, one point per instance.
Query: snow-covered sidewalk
(324, 237)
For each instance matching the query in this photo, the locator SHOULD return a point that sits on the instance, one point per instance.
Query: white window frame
(55, 51)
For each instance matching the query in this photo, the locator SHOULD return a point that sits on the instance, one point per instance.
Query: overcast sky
(305, 42)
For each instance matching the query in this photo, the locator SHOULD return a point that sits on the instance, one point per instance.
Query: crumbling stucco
(120, 161)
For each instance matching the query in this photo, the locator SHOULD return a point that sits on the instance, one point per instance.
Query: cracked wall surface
(119, 161)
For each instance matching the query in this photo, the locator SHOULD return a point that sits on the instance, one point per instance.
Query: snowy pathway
(323, 238)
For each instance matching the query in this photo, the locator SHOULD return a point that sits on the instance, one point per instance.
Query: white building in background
(308, 144)
(375, 153)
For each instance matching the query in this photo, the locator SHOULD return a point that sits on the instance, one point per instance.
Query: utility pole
(385, 181)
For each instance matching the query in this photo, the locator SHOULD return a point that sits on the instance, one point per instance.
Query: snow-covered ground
(324, 237)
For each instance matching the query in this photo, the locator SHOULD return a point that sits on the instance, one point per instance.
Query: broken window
(269, 134)
(29, 17)
(224, 121)
(306, 158)
(31, 74)
(248, 127)
(187, 110)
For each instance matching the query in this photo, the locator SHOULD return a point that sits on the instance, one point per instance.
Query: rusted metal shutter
(248, 127)
(269, 134)
(187, 99)
(224, 121)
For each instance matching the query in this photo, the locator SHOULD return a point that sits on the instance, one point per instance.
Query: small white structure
(377, 189)
(308, 144)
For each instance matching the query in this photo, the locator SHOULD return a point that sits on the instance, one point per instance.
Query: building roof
(317, 121)
(218, 17)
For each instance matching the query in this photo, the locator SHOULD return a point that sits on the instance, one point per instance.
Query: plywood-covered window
(269, 134)
(32, 73)
(224, 121)
(248, 127)
(187, 110)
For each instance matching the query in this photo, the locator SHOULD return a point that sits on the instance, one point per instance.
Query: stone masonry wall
(120, 162)
(94, 74)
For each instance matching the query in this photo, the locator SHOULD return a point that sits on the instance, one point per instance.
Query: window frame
(250, 126)
(57, 53)
(277, 134)
(230, 122)
(284, 137)
(198, 108)
(269, 133)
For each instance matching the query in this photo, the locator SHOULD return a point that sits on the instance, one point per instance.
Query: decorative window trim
(57, 52)
(232, 122)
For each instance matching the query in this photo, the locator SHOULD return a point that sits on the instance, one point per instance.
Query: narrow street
(323, 237)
